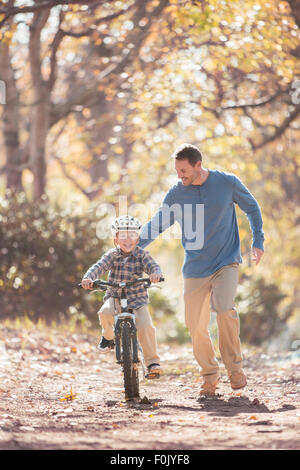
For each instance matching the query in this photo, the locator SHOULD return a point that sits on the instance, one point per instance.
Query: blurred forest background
(95, 96)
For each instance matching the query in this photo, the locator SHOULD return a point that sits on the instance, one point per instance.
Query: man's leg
(197, 293)
(224, 285)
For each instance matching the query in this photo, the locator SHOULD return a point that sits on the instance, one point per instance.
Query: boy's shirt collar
(134, 253)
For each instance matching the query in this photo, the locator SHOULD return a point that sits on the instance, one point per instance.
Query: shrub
(44, 254)
(258, 304)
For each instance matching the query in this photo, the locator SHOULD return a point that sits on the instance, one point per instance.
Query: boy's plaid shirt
(125, 268)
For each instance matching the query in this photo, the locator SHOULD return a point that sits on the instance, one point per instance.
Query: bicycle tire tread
(130, 372)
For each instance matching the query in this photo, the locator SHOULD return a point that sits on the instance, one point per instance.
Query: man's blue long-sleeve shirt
(206, 214)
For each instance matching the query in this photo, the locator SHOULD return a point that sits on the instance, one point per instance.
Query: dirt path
(58, 392)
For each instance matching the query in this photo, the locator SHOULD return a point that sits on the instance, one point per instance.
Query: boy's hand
(87, 283)
(155, 277)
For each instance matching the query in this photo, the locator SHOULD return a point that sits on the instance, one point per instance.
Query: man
(203, 204)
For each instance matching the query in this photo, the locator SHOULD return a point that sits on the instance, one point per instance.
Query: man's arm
(161, 221)
(246, 201)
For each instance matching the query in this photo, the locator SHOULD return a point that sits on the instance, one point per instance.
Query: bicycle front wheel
(130, 368)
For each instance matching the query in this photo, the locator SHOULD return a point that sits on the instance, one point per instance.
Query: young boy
(126, 262)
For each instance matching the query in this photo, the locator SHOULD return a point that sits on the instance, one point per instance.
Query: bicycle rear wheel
(130, 368)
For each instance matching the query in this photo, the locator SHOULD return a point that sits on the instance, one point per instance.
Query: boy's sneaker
(106, 344)
(154, 371)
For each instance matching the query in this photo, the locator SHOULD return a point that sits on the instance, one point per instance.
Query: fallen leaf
(69, 396)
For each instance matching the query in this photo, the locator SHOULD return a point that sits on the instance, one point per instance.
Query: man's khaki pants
(218, 292)
(145, 329)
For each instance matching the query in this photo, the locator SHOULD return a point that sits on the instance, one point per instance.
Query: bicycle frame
(125, 331)
(127, 316)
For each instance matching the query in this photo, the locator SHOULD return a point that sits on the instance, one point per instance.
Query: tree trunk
(41, 106)
(10, 122)
(295, 8)
(99, 141)
(37, 143)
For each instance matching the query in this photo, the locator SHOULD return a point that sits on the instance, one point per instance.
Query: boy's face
(127, 240)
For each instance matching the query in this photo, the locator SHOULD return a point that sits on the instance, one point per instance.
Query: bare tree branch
(39, 21)
(279, 130)
(103, 19)
(258, 103)
(54, 48)
(89, 194)
(88, 95)
(9, 11)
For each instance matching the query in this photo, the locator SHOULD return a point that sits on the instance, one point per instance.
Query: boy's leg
(106, 318)
(146, 335)
(197, 292)
(224, 286)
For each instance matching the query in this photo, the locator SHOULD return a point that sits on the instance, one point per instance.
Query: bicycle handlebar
(104, 284)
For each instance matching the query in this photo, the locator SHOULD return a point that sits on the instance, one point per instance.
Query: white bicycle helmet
(126, 222)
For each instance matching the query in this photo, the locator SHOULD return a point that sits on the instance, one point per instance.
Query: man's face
(186, 172)
(127, 240)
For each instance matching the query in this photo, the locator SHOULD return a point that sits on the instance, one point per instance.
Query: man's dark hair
(188, 152)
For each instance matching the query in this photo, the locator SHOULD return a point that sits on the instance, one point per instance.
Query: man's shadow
(216, 405)
(233, 406)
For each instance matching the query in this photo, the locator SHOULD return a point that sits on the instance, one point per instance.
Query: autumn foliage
(98, 95)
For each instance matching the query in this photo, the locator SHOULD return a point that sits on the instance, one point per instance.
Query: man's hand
(155, 277)
(257, 254)
(87, 283)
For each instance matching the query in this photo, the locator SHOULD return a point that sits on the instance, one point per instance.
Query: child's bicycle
(126, 343)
